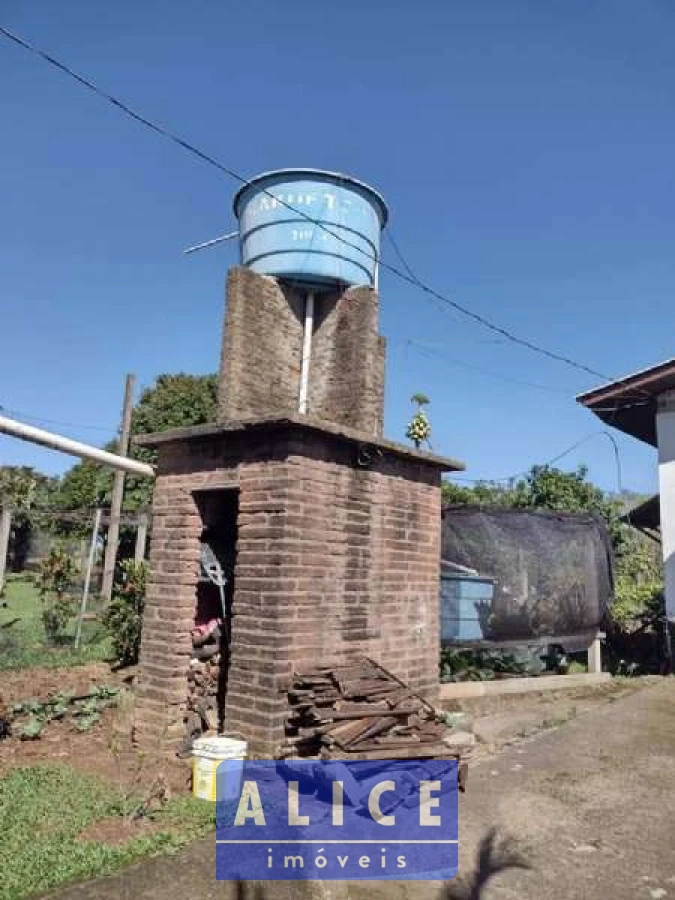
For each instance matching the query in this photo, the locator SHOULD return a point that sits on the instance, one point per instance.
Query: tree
(544, 487)
(638, 564)
(124, 616)
(483, 493)
(172, 402)
(27, 492)
(175, 401)
(87, 484)
(24, 489)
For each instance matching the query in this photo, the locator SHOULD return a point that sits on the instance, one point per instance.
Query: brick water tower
(329, 534)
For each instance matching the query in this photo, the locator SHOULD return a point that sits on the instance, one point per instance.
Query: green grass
(23, 644)
(43, 809)
(577, 668)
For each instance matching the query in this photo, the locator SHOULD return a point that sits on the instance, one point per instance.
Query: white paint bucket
(207, 754)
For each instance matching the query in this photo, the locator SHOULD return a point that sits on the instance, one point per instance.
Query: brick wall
(261, 349)
(166, 644)
(262, 352)
(334, 560)
(346, 383)
(169, 612)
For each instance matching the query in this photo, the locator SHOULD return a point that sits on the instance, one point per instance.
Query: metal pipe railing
(74, 448)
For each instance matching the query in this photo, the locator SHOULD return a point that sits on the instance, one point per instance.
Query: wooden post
(141, 538)
(87, 576)
(117, 494)
(83, 553)
(5, 531)
(595, 656)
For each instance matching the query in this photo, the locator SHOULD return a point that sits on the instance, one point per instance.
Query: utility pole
(117, 494)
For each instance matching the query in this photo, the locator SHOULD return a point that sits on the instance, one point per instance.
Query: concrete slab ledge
(459, 690)
(221, 430)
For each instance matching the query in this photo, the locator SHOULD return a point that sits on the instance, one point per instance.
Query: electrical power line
(392, 240)
(44, 421)
(556, 459)
(498, 375)
(507, 335)
(407, 276)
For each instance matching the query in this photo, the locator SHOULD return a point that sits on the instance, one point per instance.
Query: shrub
(462, 664)
(56, 574)
(637, 603)
(124, 616)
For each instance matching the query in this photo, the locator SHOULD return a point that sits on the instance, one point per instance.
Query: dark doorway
(215, 588)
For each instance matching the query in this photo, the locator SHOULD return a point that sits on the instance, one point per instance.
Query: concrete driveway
(586, 810)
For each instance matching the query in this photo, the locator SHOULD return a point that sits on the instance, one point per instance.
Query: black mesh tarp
(552, 572)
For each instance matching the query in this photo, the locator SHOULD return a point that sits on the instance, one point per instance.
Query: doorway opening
(213, 605)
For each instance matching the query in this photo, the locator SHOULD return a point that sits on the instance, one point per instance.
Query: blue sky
(524, 149)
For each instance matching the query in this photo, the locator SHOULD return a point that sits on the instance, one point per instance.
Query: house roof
(629, 403)
(646, 514)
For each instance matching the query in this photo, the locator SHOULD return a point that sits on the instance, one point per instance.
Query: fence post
(595, 657)
(141, 538)
(87, 576)
(5, 531)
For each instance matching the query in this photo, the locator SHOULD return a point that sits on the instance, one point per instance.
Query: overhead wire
(498, 375)
(404, 262)
(408, 275)
(411, 273)
(555, 459)
(42, 420)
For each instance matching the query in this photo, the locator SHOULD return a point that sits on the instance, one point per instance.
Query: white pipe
(306, 353)
(74, 448)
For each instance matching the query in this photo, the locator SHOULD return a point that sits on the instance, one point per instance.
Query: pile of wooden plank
(361, 711)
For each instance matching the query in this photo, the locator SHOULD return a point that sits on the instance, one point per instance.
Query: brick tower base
(337, 555)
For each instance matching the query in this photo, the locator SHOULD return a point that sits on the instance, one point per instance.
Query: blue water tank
(462, 596)
(276, 240)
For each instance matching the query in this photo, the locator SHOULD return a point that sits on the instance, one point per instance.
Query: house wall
(665, 429)
(334, 560)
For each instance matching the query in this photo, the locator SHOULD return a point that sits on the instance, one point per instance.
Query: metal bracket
(367, 454)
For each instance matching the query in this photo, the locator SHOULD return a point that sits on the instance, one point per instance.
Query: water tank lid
(338, 178)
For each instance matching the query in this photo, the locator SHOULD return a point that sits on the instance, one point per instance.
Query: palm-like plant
(419, 428)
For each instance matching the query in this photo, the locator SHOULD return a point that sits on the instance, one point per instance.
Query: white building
(643, 405)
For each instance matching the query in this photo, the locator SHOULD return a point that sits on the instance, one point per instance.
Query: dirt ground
(116, 831)
(90, 751)
(579, 811)
(497, 722)
(22, 684)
